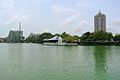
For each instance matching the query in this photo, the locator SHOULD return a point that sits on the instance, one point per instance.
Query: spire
(99, 11)
(19, 26)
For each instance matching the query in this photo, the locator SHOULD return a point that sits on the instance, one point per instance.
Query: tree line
(100, 37)
(38, 38)
(88, 37)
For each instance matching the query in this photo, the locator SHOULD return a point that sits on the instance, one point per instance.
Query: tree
(116, 38)
(100, 36)
(96, 36)
(38, 38)
(109, 36)
(32, 38)
(45, 36)
(69, 38)
(85, 36)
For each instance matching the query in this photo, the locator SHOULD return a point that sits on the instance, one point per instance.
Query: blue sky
(57, 16)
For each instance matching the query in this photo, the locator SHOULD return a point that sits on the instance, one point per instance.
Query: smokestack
(19, 26)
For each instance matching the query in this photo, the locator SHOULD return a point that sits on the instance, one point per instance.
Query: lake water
(38, 62)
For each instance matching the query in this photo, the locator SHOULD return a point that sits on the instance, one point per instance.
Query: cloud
(61, 10)
(116, 23)
(70, 20)
(83, 26)
(7, 3)
(16, 18)
(7, 8)
(10, 13)
(67, 16)
(114, 26)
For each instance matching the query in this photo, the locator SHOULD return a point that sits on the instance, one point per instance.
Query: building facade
(15, 37)
(100, 22)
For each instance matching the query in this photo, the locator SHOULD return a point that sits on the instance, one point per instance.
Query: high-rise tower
(100, 22)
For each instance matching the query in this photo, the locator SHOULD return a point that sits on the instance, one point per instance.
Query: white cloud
(68, 17)
(16, 18)
(7, 3)
(114, 26)
(70, 20)
(84, 26)
(7, 8)
(10, 13)
(61, 10)
(116, 23)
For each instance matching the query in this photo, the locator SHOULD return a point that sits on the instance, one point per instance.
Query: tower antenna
(99, 10)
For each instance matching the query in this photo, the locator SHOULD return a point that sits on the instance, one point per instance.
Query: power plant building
(15, 36)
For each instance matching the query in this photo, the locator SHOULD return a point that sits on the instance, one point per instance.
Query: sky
(57, 16)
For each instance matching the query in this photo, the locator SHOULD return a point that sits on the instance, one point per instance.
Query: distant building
(15, 36)
(100, 22)
(2, 40)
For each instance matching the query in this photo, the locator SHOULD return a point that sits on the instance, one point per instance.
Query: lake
(40, 62)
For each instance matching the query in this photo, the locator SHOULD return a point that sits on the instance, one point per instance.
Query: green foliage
(45, 36)
(69, 38)
(86, 37)
(96, 37)
(109, 36)
(38, 38)
(58, 35)
(117, 38)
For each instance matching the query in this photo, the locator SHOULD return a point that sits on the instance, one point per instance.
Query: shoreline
(99, 43)
(80, 44)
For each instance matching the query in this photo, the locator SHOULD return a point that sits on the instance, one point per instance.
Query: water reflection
(38, 62)
(16, 57)
(100, 53)
(71, 63)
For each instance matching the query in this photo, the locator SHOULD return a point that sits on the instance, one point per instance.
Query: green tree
(45, 36)
(38, 38)
(69, 38)
(97, 36)
(85, 36)
(116, 38)
(109, 36)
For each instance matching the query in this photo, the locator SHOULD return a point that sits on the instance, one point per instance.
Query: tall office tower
(100, 22)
